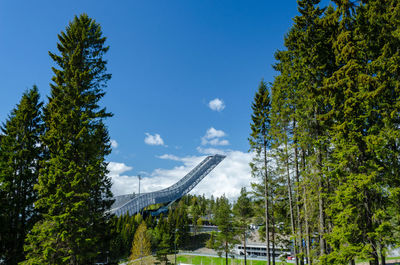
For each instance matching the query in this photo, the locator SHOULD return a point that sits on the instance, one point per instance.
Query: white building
(259, 249)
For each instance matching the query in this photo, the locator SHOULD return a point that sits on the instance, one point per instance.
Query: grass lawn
(387, 260)
(199, 260)
(202, 260)
(151, 260)
(205, 260)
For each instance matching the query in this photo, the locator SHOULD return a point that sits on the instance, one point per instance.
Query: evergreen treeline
(20, 154)
(54, 188)
(164, 231)
(325, 133)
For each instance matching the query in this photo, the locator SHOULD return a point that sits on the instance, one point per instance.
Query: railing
(183, 186)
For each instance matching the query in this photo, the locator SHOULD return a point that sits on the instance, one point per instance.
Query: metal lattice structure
(132, 204)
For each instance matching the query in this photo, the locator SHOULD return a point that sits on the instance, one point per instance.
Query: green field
(202, 260)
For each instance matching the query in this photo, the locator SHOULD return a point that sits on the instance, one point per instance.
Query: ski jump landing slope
(133, 204)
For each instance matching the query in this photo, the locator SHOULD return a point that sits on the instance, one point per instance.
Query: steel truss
(132, 204)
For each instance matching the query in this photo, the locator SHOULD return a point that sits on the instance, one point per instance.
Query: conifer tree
(181, 226)
(260, 142)
(164, 248)
(141, 244)
(20, 153)
(298, 122)
(353, 166)
(365, 85)
(224, 220)
(195, 212)
(379, 27)
(74, 189)
(243, 211)
(335, 128)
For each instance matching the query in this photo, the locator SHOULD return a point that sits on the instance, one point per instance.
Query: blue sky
(168, 60)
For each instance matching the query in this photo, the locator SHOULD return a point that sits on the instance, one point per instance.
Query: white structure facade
(259, 250)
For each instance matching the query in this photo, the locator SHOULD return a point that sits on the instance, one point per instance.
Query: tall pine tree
(243, 211)
(74, 190)
(260, 142)
(223, 218)
(20, 153)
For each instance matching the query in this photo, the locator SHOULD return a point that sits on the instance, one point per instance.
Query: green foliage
(20, 153)
(195, 213)
(164, 248)
(141, 244)
(74, 190)
(260, 142)
(182, 225)
(122, 230)
(243, 211)
(335, 128)
(211, 241)
(261, 121)
(223, 218)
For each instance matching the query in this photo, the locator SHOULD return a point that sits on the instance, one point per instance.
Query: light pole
(139, 177)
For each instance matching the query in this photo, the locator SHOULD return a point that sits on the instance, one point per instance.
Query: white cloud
(216, 104)
(227, 178)
(118, 168)
(214, 133)
(212, 137)
(113, 143)
(210, 151)
(153, 139)
(169, 157)
(218, 142)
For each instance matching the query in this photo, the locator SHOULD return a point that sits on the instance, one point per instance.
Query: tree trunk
(383, 259)
(375, 260)
(368, 219)
(226, 252)
(307, 228)
(382, 254)
(308, 237)
(266, 203)
(297, 192)
(291, 203)
(273, 236)
(321, 231)
(244, 244)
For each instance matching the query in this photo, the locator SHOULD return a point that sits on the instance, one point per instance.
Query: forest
(324, 138)
(325, 132)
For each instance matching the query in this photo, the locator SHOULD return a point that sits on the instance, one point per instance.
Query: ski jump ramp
(132, 204)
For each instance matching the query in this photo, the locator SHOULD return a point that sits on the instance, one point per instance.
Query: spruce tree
(380, 23)
(260, 142)
(20, 153)
(182, 225)
(74, 190)
(224, 220)
(359, 209)
(334, 123)
(299, 125)
(243, 211)
(365, 132)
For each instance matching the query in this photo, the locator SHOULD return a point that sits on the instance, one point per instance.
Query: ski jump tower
(133, 204)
